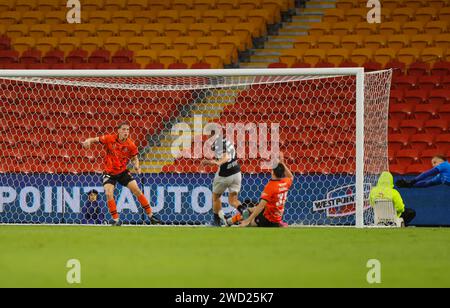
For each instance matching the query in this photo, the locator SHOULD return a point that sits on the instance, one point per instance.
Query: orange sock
(113, 209)
(236, 218)
(145, 204)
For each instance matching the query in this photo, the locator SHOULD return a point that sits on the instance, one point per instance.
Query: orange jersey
(275, 194)
(118, 154)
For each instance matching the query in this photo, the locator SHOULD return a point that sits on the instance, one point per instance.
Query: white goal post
(335, 185)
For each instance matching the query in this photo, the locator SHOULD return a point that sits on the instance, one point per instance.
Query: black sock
(216, 217)
(241, 208)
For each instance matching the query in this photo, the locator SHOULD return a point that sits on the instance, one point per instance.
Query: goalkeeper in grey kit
(228, 177)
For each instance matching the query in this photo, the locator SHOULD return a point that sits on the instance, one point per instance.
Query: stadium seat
(445, 81)
(441, 68)
(217, 58)
(158, 5)
(190, 16)
(32, 18)
(278, 65)
(429, 82)
(182, 4)
(305, 42)
(10, 18)
(191, 57)
(227, 4)
(31, 57)
(338, 55)
(390, 28)
(130, 30)
(399, 68)
(100, 56)
(398, 41)
(413, 28)
(442, 142)
(421, 41)
(207, 43)
(384, 55)
(160, 43)
(375, 41)
(122, 56)
(67, 44)
(144, 17)
(352, 41)
(365, 29)
(169, 56)
(38, 31)
(84, 30)
(420, 142)
(432, 54)
(313, 56)
(201, 65)
(137, 5)
(333, 15)
(77, 56)
(53, 57)
(91, 43)
(264, 15)
(319, 29)
(155, 66)
(426, 14)
(394, 126)
(407, 156)
(439, 96)
(9, 56)
(115, 43)
(60, 31)
(408, 55)
(291, 56)
(410, 127)
(48, 5)
(402, 14)
(178, 66)
(6, 5)
(416, 96)
(100, 17)
(425, 111)
(92, 5)
(5, 43)
(398, 141)
(138, 43)
(342, 28)
(414, 4)
(436, 126)
(174, 30)
(122, 17)
(203, 5)
(419, 68)
(115, 5)
(436, 27)
(371, 66)
(198, 29)
(361, 55)
(401, 111)
(396, 96)
(184, 43)
(392, 4)
(221, 29)
(107, 30)
(21, 44)
(416, 168)
(249, 30)
(442, 41)
(16, 31)
(167, 16)
(356, 15)
(213, 16)
(328, 42)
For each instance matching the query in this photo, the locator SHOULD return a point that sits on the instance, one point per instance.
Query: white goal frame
(357, 72)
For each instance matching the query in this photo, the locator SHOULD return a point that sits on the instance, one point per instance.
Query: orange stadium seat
(227, 4)
(263, 15)
(91, 44)
(99, 17)
(10, 18)
(115, 5)
(291, 56)
(408, 55)
(356, 15)
(390, 28)
(352, 41)
(84, 30)
(375, 41)
(190, 16)
(32, 17)
(138, 43)
(254, 29)
(145, 57)
(437, 26)
(182, 4)
(313, 56)
(250, 4)
(21, 44)
(184, 43)
(16, 31)
(204, 4)
(384, 55)
(319, 29)
(169, 56)
(31, 57)
(213, 16)
(122, 17)
(67, 44)
(158, 5)
(144, 17)
(415, 4)
(413, 27)
(175, 29)
(100, 56)
(221, 29)
(236, 16)
(421, 41)
(347, 4)
(333, 15)
(190, 57)
(107, 30)
(392, 4)
(167, 16)
(432, 54)
(426, 14)
(233, 40)
(93, 5)
(398, 41)
(442, 41)
(6, 5)
(153, 30)
(207, 42)
(130, 30)
(438, 3)
(337, 56)
(217, 58)
(77, 56)
(328, 41)
(48, 5)
(39, 31)
(114, 44)
(361, 55)
(160, 43)
(122, 56)
(402, 14)
(364, 28)
(305, 42)
(137, 5)
(198, 29)
(53, 57)
(55, 17)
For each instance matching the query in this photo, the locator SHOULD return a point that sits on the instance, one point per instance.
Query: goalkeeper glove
(404, 184)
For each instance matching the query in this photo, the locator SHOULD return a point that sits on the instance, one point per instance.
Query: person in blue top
(92, 211)
(440, 174)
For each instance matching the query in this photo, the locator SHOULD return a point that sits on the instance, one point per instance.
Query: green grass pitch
(36, 256)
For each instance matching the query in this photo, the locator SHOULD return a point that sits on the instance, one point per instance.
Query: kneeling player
(269, 212)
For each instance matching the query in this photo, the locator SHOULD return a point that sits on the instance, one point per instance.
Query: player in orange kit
(120, 149)
(269, 212)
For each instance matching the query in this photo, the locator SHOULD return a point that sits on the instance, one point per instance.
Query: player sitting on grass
(120, 149)
(269, 212)
(440, 174)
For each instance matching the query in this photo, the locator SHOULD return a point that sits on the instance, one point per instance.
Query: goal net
(330, 124)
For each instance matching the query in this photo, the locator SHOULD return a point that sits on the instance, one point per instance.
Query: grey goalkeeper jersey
(231, 167)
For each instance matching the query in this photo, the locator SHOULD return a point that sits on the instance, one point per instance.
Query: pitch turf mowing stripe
(35, 256)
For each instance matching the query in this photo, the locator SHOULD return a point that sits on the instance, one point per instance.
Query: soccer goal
(330, 124)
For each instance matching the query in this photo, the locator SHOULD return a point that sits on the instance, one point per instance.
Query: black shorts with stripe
(262, 221)
(123, 179)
